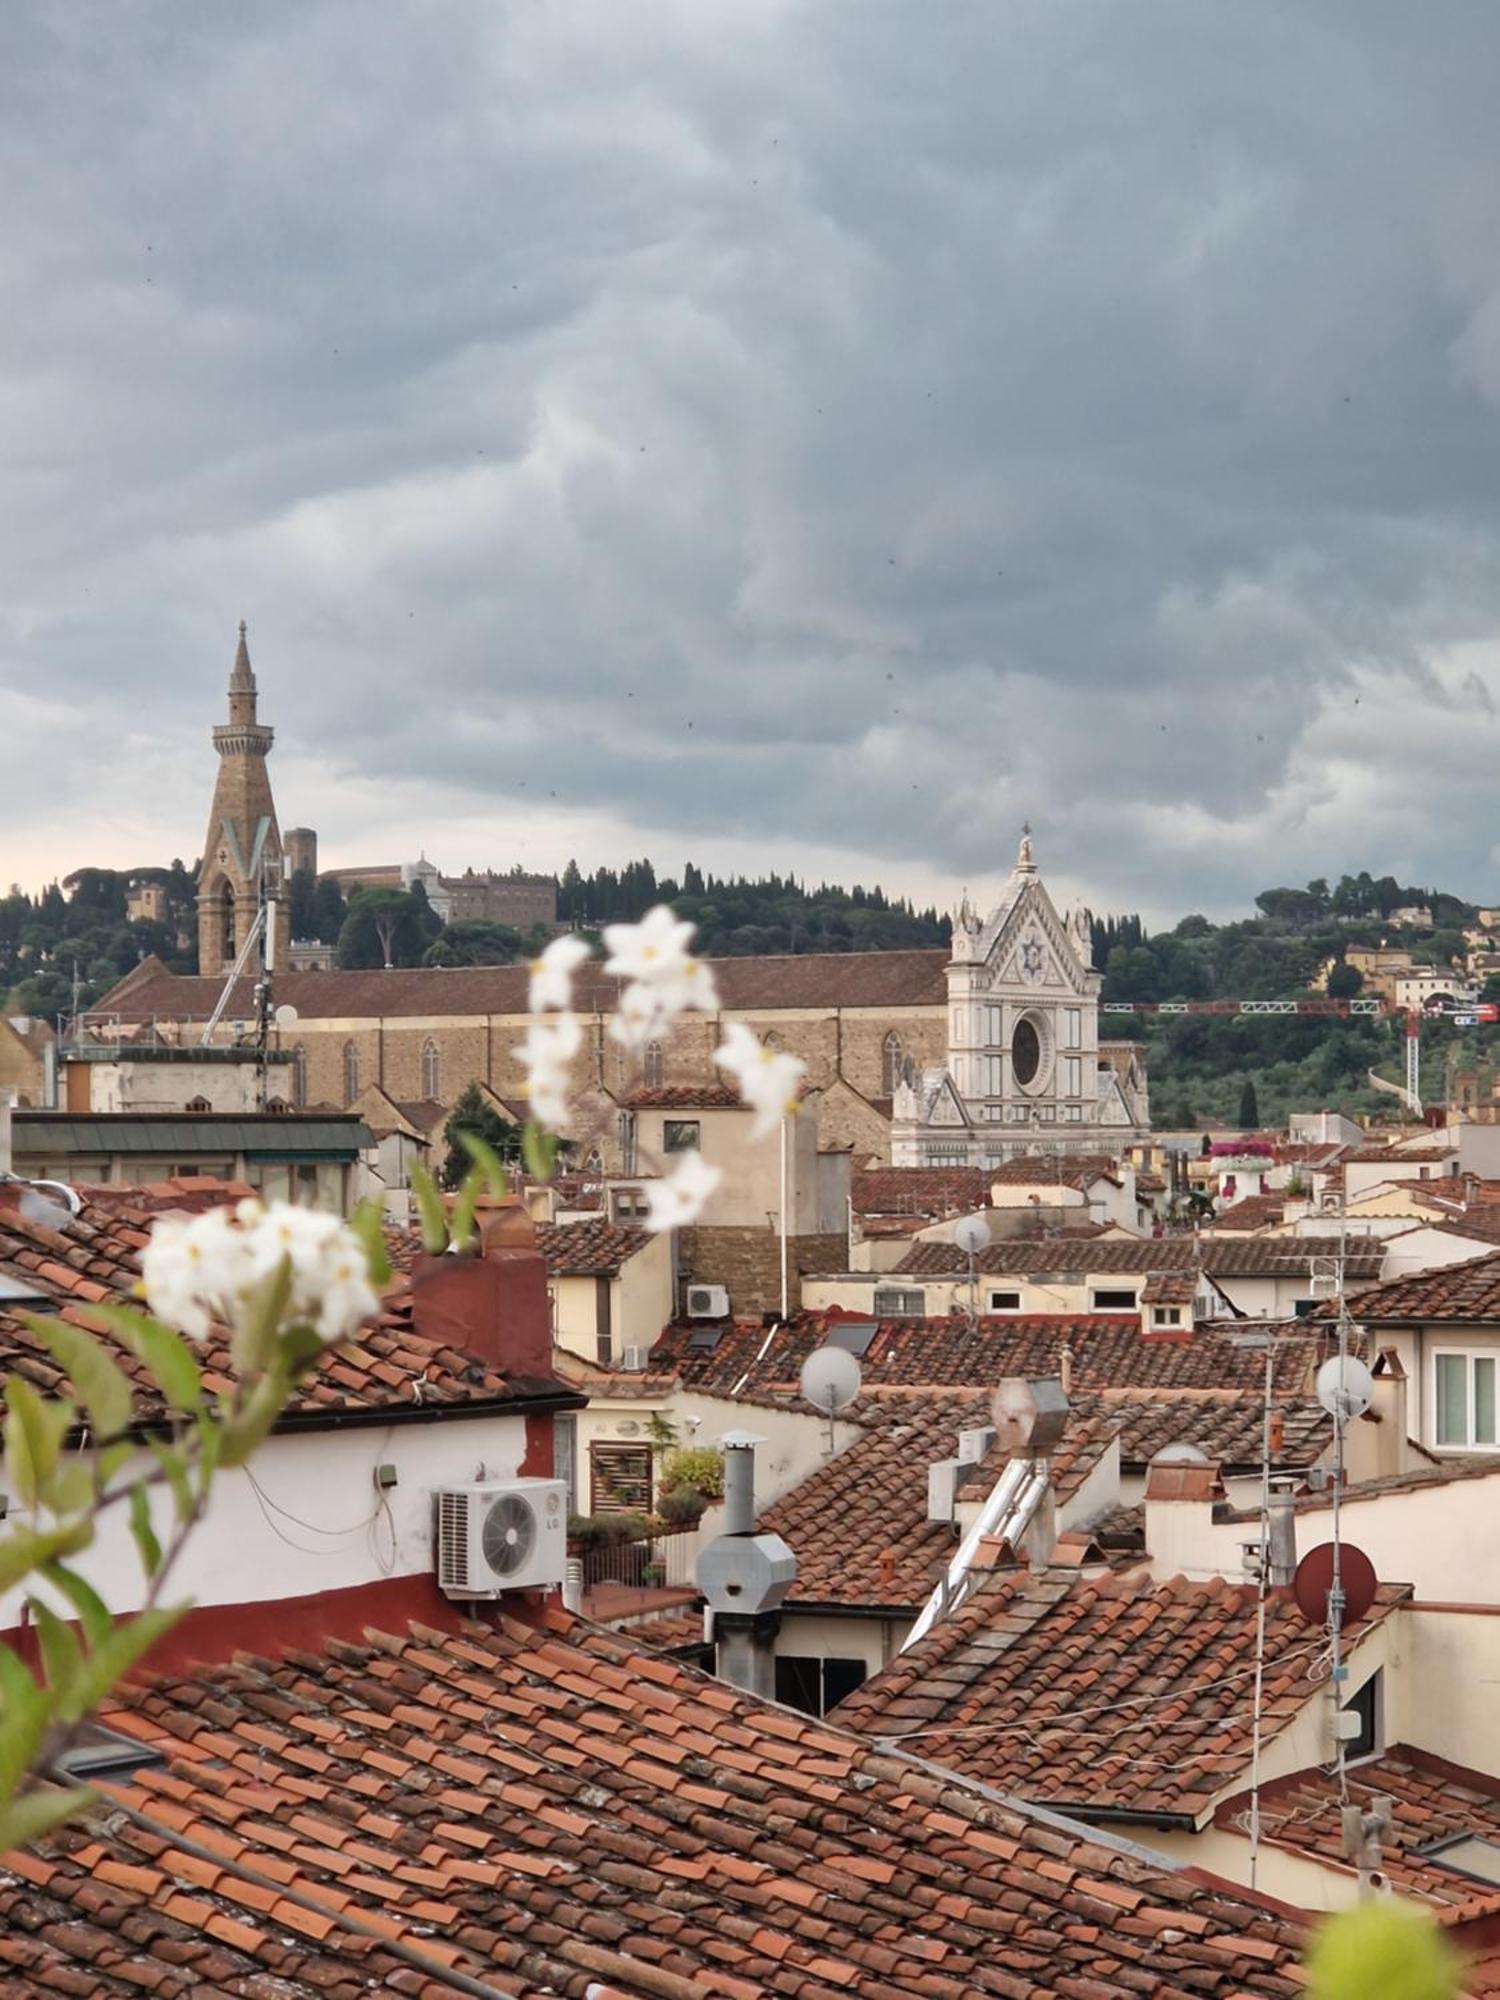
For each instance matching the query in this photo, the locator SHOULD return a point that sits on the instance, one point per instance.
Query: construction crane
(1481, 1014)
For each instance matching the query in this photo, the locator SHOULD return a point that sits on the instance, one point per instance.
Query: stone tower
(242, 848)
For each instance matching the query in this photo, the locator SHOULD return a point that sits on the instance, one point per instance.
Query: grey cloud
(950, 415)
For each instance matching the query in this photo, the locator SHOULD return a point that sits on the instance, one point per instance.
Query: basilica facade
(1025, 1069)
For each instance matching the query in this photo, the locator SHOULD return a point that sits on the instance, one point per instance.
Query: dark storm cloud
(850, 422)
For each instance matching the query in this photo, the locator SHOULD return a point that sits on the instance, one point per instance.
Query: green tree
(475, 1115)
(1249, 1117)
(476, 941)
(386, 927)
(1345, 982)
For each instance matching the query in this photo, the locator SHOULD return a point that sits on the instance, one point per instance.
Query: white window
(1072, 1027)
(994, 1076)
(1003, 1302)
(1073, 1076)
(992, 1032)
(1463, 1400)
(1113, 1299)
(1073, 1112)
(1166, 1315)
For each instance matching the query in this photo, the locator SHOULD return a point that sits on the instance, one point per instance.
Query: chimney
(745, 1576)
(1182, 1490)
(1375, 1444)
(494, 1306)
(1282, 1541)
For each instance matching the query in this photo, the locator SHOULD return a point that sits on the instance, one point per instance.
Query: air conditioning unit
(502, 1534)
(633, 1359)
(707, 1302)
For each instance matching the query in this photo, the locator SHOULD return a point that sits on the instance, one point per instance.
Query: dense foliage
(78, 930)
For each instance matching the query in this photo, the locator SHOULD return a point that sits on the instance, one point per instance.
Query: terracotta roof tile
(1107, 1350)
(903, 979)
(796, 1860)
(1263, 1256)
(930, 1192)
(1098, 1693)
(592, 1249)
(1455, 1293)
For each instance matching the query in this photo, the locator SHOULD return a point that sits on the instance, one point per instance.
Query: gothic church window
(891, 1064)
(299, 1076)
(652, 1066)
(351, 1072)
(431, 1072)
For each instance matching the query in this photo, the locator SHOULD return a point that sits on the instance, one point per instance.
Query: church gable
(1031, 948)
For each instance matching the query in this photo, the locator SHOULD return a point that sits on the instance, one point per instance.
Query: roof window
(1470, 1855)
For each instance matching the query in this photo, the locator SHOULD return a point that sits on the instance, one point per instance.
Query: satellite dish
(972, 1235)
(1314, 1580)
(287, 1015)
(1180, 1454)
(830, 1379)
(1344, 1387)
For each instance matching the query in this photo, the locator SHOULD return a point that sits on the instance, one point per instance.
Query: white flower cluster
(202, 1272)
(769, 1080)
(664, 979)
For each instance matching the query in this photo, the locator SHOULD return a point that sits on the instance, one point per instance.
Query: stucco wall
(333, 1532)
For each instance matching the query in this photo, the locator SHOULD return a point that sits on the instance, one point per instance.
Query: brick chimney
(1182, 1490)
(494, 1306)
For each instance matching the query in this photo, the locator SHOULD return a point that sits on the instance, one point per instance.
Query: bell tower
(242, 847)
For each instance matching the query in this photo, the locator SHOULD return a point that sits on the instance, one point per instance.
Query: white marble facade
(1026, 1070)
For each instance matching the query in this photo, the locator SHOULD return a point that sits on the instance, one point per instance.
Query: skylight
(853, 1337)
(1471, 1855)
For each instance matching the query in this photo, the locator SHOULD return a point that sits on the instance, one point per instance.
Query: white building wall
(306, 1516)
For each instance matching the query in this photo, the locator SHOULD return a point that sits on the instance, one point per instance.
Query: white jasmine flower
(547, 1055)
(201, 1272)
(655, 949)
(643, 1015)
(679, 1199)
(552, 974)
(768, 1079)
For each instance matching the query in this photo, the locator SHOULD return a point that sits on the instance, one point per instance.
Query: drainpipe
(7, 1102)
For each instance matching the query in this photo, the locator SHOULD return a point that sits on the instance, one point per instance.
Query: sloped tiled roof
(1074, 1170)
(1170, 1288)
(685, 1097)
(919, 1191)
(1256, 1211)
(859, 1523)
(1459, 1293)
(1254, 1257)
(1098, 1693)
(93, 1259)
(592, 1249)
(904, 979)
(1434, 1801)
(1108, 1350)
(557, 1811)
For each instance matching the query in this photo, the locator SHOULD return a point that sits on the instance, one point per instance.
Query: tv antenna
(830, 1381)
(972, 1234)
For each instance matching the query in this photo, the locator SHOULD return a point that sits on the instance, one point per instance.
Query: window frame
(1372, 1743)
(672, 1139)
(1013, 1293)
(1471, 1356)
(1121, 1298)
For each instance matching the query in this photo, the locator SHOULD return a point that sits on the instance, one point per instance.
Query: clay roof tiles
(554, 1810)
(1457, 1293)
(593, 1249)
(1100, 1693)
(1253, 1257)
(1106, 1350)
(92, 1259)
(904, 979)
(921, 1191)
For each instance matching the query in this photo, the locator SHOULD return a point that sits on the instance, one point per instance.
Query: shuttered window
(620, 1478)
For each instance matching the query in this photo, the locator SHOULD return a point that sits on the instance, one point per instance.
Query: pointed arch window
(652, 1065)
(351, 1072)
(892, 1057)
(431, 1072)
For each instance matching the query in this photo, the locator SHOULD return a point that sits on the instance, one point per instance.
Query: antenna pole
(1263, 1585)
(1339, 1673)
(783, 1221)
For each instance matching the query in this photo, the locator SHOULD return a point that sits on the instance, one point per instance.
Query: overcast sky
(813, 434)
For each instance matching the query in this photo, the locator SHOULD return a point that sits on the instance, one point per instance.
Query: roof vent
(974, 1445)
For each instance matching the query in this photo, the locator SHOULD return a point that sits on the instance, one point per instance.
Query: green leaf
(25, 1713)
(165, 1354)
(143, 1532)
(93, 1613)
(254, 1339)
(174, 1468)
(368, 1224)
(539, 1151)
(297, 1347)
(34, 1432)
(26, 1549)
(71, 1488)
(430, 1207)
(486, 1159)
(109, 1663)
(62, 1656)
(210, 1444)
(242, 1433)
(26, 1819)
(101, 1383)
(465, 1237)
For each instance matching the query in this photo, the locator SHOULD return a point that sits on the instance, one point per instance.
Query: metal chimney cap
(740, 1440)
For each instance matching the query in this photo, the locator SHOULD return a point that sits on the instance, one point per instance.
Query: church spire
(242, 684)
(1025, 861)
